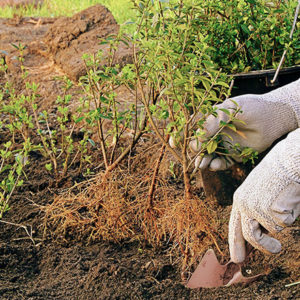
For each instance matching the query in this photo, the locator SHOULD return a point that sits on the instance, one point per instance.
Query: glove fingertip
(253, 234)
(238, 253)
(237, 247)
(220, 164)
(195, 145)
(172, 142)
(274, 246)
(205, 162)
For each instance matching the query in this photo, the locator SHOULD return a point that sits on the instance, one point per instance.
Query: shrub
(250, 34)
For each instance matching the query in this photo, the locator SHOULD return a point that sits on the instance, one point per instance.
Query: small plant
(178, 81)
(12, 167)
(179, 84)
(21, 48)
(115, 122)
(16, 123)
(57, 143)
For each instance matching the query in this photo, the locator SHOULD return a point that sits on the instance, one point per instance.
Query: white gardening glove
(268, 198)
(267, 117)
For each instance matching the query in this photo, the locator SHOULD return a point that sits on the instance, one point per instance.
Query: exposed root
(116, 207)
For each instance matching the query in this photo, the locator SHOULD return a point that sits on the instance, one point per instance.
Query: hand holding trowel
(210, 273)
(269, 198)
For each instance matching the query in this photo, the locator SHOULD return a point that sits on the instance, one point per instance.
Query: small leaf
(141, 5)
(223, 84)
(48, 167)
(14, 45)
(105, 117)
(212, 146)
(232, 127)
(129, 23)
(92, 142)
(245, 29)
(206, 85)
(79, 119)
(239, 121)
(234, 102)
(20, 182)
(226, 134)
(226, 111)
(104, 99)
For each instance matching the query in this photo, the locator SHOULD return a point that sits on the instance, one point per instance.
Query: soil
(58, 268)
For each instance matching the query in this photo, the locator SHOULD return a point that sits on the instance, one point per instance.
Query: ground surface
(52, 269)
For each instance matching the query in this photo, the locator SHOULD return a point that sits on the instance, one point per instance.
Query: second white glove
(269, 198)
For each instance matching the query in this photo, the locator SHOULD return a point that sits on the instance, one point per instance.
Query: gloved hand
(267, 117)
(269, 197)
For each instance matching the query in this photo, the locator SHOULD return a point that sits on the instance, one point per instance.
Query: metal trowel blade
(210, 273)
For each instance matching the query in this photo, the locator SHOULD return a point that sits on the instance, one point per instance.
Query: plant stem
(155, 174)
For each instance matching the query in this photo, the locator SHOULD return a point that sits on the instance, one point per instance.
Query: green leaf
(92, 142)
(226, 134)
(226, 111)
(206, 85)
(239, 121)
(141, 5)
(245, 29)
(48, 167)
(114, 71)
(20, 182)
(208, 64)
(222, 123)
(223, 84)
(234, 102)
(103, 43)
(79, 119)
(212, 146)
(105, 117)
(232, 127)
(246, 151)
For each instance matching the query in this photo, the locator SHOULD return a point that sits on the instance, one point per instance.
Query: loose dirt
(59, 268)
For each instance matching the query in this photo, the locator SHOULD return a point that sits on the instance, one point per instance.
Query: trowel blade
(210, 273)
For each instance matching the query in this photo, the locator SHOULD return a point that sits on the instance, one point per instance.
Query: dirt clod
(69, 38)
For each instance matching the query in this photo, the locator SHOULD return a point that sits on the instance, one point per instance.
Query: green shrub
(249, 34)
(177, 78)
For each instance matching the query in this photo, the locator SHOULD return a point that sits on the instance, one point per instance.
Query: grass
(121, 9)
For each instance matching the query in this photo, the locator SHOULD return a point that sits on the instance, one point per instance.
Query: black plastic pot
(259, 82)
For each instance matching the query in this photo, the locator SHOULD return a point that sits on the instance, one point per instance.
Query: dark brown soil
(52, 269)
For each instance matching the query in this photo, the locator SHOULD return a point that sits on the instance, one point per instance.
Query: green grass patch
(121, 9)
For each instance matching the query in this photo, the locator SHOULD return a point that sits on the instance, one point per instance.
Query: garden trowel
(210, 273)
